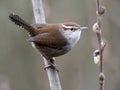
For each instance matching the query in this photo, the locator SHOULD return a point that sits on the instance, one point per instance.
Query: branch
(98, 54)
(52, 72)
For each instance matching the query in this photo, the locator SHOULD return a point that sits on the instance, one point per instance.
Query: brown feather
(49, 37)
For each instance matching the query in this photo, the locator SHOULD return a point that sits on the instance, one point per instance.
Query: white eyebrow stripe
(69, 26)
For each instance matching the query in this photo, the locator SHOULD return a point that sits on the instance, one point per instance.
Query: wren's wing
(49, 40)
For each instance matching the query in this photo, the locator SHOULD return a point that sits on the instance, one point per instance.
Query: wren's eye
(72, 29)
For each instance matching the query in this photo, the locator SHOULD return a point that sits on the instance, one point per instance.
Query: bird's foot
(52, 66)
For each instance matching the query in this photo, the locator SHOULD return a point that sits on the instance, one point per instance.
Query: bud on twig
(101, 10)
(103, 44)
(96, 56)
(101, 78)
(96, 28)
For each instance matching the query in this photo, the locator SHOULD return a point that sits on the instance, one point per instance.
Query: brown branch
(98, 54)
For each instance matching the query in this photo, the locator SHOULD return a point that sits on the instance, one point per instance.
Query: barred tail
(20, 22)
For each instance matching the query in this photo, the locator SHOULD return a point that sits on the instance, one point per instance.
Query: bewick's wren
(51, 40)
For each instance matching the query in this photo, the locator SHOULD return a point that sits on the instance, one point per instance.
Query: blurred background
(21, 67)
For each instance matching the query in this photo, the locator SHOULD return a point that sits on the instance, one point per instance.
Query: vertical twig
(98, 54)
(52, 72)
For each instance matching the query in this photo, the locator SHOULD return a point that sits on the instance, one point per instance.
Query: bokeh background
(21, 67)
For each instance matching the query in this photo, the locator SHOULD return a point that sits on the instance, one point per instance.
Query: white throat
(72, 37)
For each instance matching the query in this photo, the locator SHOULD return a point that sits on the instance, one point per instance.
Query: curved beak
(83, 28)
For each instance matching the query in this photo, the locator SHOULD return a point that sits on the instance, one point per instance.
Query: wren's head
(72, 32)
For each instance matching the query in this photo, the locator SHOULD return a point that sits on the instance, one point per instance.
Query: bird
(51, 40)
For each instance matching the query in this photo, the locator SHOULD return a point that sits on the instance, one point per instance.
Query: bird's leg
(51, 64)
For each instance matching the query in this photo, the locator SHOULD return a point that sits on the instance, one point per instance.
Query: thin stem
(100, 52)
(100, 11)
(99, 35)
(97, 5)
